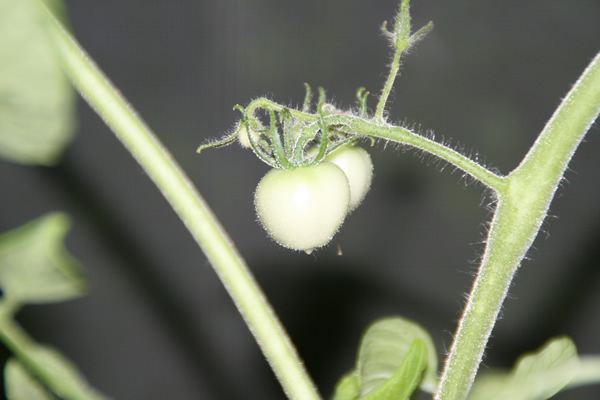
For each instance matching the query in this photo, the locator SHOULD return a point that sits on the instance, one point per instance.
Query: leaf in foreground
(20, 385)
(394, 358)
(535, 376)
(35, 267)
(407, 377)
(61, 374)
(37, 102)
(384, 345)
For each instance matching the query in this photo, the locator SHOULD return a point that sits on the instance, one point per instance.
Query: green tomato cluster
(302, 209)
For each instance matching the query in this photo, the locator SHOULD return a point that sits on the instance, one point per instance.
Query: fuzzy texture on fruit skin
(358, 167)
(243, 137)
(303, 209)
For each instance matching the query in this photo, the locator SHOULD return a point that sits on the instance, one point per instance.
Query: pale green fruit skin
(304, 208)
(243, 137)
(358, 167)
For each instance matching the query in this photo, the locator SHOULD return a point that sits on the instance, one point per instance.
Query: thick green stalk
(588, 372)
(191, 208)
(522, 207)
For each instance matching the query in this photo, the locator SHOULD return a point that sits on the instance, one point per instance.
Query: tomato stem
(522, 206)
(401, 41)
(177, 188)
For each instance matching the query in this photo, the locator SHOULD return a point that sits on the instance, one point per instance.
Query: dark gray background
(157, 324)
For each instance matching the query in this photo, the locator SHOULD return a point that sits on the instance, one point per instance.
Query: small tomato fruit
(358, 167)
(302, 209)
(243, 137)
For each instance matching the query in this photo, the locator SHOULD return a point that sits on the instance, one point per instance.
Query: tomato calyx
(281, 137)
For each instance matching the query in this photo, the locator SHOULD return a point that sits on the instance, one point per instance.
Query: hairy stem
(400, 42)
(522, 207)
(389, 84)
(191, 208)
(361, 127)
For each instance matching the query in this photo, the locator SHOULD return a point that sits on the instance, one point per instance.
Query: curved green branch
(57, 373)
(404, 136)
(191, 208)
(523, 198)
(522, 207)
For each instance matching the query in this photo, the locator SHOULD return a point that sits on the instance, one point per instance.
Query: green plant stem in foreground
(70, 386)
(522, 207)
(588, 372)
(523, 199)
(191, 208)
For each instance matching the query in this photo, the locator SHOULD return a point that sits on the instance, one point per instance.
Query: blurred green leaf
(347, 388)
(535, 376)
(407, 377)
(60, 373)
(395, 356)
(20, 385)
(34, 265)
(383, 348)
(37, 102)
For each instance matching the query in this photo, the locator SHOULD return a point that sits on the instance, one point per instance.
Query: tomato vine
(285, 141)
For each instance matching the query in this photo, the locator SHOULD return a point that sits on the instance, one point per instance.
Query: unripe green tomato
(358, 167)
(243, 136)
(302, 209)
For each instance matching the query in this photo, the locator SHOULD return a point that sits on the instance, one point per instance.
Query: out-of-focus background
(157, 324)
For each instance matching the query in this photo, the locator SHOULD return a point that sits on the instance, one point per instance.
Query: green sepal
(420, 34)
(307, 133)
(401, 38)
(226, 141)
(324, 138)
(259, 147)
(290, 133)
(229, 139)
(322, 95)
(307, 98)
(276, 145)
(35, 267)
(361, 97)
(402, 26)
